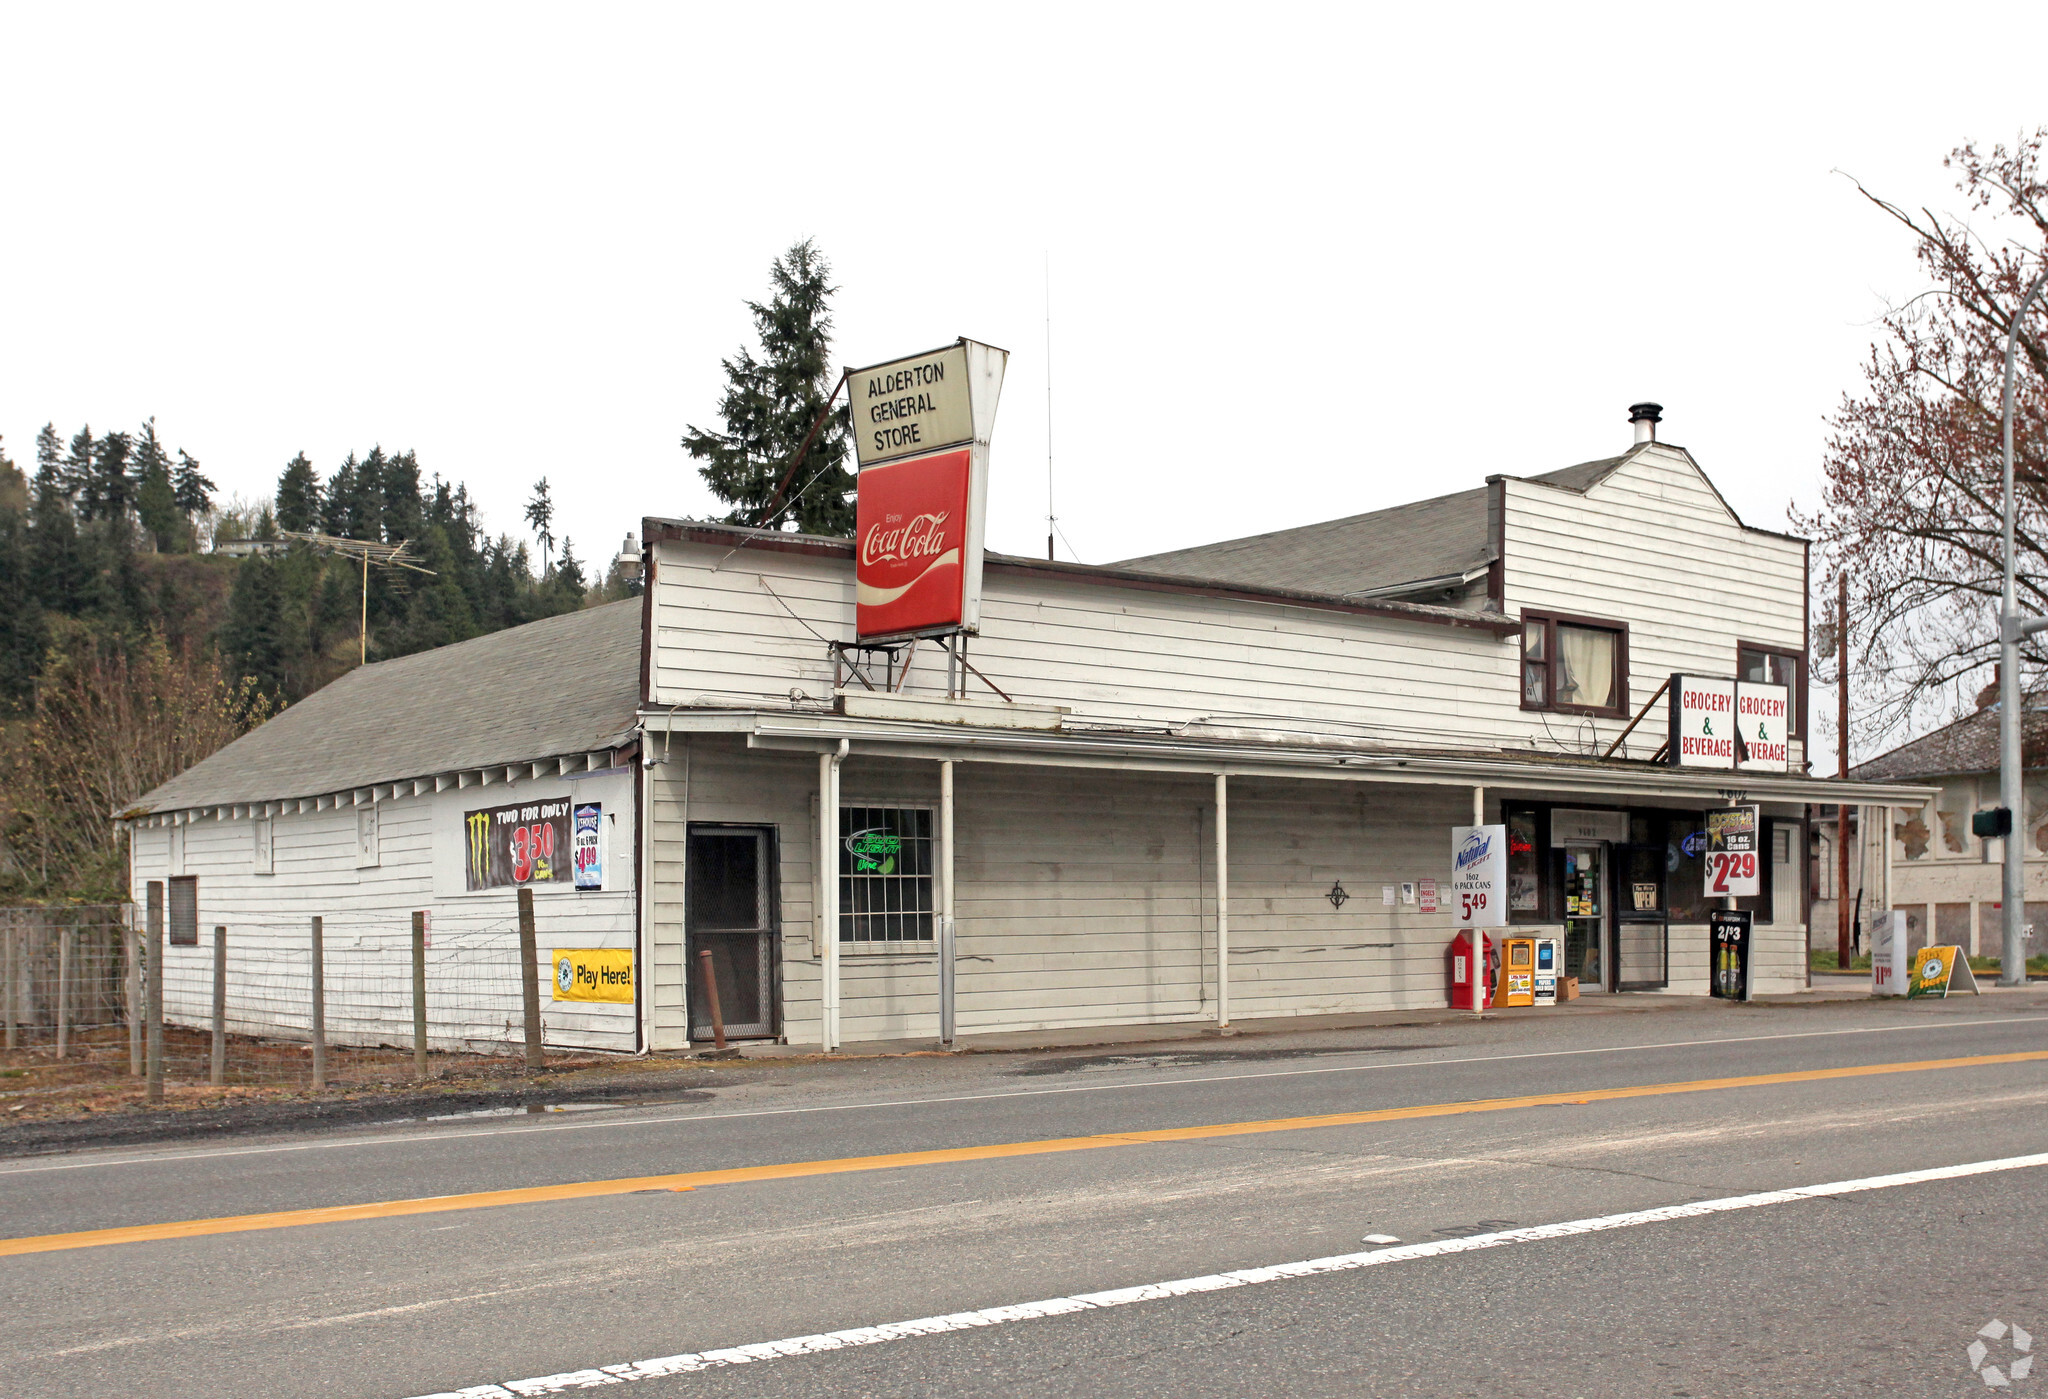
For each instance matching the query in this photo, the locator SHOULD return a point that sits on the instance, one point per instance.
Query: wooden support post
(131, 945)
(9, 975)
(419, 992)
(319, 1006)
(153, 1011)
(710, 977)
(1844, 943)
(1222, 902)
(64, 939)
(529, 978)
(219, 1072)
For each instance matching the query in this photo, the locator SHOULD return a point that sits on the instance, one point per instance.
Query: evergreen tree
(565, 587)
(113, 487)
(23, 636)
(59, 573)
(770, 403)
(81, 483)
(252, 638)
(401, 513)
(156, 499)
(192, 491)
(298, 496)
(540, 513)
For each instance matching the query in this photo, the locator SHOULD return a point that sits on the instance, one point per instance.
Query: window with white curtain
(1577, 665)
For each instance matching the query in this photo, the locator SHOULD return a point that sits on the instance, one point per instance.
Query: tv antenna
(368, 552)
(1049, 516)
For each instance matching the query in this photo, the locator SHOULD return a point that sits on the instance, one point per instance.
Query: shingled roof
(1970, 744)
(1439, 540)
(563, 685)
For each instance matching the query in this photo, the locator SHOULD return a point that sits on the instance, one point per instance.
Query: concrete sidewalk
(1205, 1031)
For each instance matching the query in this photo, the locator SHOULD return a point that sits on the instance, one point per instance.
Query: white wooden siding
(473, 999)
(1652, 545)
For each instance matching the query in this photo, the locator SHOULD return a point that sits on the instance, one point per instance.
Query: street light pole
(2012, 628)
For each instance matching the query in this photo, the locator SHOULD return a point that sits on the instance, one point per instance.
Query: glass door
(1586, 950)
(729, 911)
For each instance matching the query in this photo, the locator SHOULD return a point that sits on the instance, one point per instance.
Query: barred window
(885, 874)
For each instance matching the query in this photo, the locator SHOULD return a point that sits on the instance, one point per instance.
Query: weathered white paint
(316, 869)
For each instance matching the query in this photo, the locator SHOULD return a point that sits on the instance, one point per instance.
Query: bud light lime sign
(588, 853)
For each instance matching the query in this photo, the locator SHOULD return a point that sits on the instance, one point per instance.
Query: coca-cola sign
(910, 536)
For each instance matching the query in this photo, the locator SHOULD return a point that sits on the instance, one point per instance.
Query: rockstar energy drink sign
(526, 844)
(594, 974)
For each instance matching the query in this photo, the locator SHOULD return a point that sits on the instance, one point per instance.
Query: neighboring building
(1949, 882)
(1331, 700)
(350, 806)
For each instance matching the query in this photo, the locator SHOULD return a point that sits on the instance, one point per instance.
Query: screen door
(729, 911)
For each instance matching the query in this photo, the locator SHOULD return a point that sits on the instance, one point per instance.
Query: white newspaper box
(1887, 943)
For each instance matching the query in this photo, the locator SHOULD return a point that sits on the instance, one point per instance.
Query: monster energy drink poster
(525, 844)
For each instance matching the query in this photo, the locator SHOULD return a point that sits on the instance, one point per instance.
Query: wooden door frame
(772, 880)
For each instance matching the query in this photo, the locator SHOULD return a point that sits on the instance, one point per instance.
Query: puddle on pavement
(529, 1110)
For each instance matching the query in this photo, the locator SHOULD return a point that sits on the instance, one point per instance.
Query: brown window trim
(1619, 709)
(1799, 697)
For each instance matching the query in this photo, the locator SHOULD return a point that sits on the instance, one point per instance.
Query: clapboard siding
(367, 923)
(1652, 545)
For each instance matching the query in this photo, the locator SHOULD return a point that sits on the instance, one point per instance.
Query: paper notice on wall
(1425, 893)
(1389, 895)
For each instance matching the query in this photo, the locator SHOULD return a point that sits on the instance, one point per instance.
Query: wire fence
(248, 1008)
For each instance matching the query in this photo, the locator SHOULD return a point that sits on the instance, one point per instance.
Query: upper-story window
(1762, 665)
(1575, 664)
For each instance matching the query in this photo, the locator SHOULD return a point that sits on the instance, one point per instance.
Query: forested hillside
(146, 624)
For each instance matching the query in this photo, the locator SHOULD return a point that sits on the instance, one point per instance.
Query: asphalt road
(1873, 1292)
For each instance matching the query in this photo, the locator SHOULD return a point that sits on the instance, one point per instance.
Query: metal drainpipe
(1222, 902)
(828, 890)
(947, 954)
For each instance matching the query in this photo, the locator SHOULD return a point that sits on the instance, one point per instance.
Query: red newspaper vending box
(1458, 970)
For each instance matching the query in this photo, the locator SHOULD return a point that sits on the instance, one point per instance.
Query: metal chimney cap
(1646, 412)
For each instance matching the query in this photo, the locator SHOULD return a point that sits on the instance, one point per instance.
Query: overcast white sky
(1305, 261)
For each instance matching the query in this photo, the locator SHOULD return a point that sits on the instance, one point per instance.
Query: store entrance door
(729, 911)
(1588, 951)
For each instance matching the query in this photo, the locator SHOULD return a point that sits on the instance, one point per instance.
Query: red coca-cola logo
(911, 524)
(921, 537)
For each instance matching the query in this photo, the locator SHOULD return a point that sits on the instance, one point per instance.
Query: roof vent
(1645, 417)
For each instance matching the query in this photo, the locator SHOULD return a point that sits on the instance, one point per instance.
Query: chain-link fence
(260, 1003)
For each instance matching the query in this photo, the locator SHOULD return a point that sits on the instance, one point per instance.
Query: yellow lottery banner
(594, 974)
(1939, 970)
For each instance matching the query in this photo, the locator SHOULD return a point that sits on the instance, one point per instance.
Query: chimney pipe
(1645, 417)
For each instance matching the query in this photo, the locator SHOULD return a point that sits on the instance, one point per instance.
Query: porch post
(1222, 902)
(828, 893)
(1479, 934)
(945, 929)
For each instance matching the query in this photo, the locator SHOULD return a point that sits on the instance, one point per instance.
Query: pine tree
(192, 491)
(252, 638)
(59, 575)
(401, 513)
(540, 513)
(113, 487)
(22, 632)
(298, 496)
(770, 403)
(81, 482)
(156, 499)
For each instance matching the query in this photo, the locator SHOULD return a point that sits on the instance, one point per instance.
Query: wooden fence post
(153, 1011)
(64, 990)
(319, 1008)
(131, 946)
(529, 978)
(419, 992)
(8, 977)
(220, 1005)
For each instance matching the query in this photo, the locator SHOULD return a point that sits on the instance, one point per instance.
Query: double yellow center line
(846, 1165)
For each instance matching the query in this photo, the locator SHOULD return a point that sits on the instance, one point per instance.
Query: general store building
(1216, 784)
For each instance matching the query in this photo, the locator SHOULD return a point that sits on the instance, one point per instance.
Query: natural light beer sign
(922, 426)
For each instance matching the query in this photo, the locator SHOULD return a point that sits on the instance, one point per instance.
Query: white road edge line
(1242, 1277)
(389, 1138)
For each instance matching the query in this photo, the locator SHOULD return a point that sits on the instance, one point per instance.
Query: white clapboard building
(1215, 785)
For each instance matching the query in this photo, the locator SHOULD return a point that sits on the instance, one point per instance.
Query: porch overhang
(1163, 750)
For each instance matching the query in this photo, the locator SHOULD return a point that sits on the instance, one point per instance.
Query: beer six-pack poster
(525, 844)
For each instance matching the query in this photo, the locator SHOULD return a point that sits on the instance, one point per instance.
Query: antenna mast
(369, 552)
(1049, 517)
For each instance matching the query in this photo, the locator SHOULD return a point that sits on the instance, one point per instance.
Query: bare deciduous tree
(1912, 494)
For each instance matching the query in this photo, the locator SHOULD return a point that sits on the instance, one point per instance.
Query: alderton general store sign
(1721, 723)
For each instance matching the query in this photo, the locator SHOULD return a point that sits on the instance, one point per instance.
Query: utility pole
(1842, 939)
(2012, 629)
